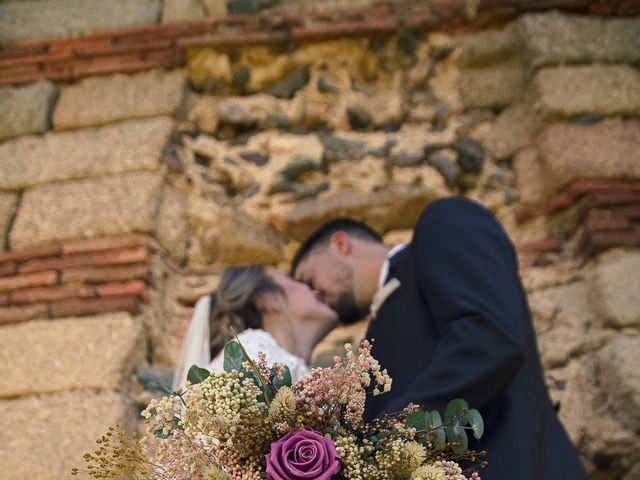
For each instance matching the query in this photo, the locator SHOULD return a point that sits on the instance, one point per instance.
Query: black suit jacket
(459, 326)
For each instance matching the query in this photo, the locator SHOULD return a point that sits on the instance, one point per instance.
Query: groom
(455, 324)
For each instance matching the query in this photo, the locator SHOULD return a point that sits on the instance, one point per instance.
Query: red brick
(599, 219)
(630, 211)
(108, 257)
(593, 242)
(133, 287)
(106, 274)
(28, 280)
(547, 245)
(92, 306)
(8, 268)
(50, 294)
(21, 313)
(38, 252)
(4, 299)
(101, 244)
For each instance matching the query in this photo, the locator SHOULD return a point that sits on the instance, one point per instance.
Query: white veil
(195, 348)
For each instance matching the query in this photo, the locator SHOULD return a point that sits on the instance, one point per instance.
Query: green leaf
(233, 357)
(379, 436)
(455, 409)
(286, 378)
(474, 419)
(456, 434)
(197, 374)
(417, 420)
(434, 422)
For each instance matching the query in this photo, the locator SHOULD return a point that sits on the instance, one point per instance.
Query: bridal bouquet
(251, 422)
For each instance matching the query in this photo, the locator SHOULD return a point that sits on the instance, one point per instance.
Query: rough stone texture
(608, 149)
(556, 38)
(72, 353)
(576, 90)
(8, 203)
(479, 49)
(228, 236)
(172, 229)
(31, 160)
(50, 18)
(26, 110)
(87, 208)
(614, 277)
(45, 436)
(494, 86)
(208, 69)
(565, 323)
(395, 207)
(528, 172)
(182, 10)
(514, 129)
(621, 377)
(97, 101)
(575, 388)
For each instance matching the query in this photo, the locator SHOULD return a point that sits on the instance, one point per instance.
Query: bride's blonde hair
(233, 304)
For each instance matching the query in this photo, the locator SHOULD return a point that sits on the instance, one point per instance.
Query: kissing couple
(448, 314)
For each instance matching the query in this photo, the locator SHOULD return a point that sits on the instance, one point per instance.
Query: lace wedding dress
(195, 349)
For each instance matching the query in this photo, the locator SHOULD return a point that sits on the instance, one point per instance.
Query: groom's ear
(340, 243)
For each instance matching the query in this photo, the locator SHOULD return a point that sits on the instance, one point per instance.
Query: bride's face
(302, 301)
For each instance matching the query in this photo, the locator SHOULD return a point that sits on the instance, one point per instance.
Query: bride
(272, 312)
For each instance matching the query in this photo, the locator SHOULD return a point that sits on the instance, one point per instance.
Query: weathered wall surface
(123, 196)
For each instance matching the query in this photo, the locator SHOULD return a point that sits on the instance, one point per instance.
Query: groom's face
(331, 277)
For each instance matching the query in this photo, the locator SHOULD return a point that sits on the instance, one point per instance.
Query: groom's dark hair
(320, 237)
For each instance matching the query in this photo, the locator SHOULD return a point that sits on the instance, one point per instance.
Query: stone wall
(123, 196)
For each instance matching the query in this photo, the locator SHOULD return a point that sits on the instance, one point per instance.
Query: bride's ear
(340, 243)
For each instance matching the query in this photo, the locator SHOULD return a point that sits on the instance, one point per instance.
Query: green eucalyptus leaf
(457, 435)
(417, 420)
(233, 357)
(286, 378)
(197, 374)
(434, 421)
(474, 419)
(455, 409)
(379, 436)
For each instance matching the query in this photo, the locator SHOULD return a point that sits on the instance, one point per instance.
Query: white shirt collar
(384, 271)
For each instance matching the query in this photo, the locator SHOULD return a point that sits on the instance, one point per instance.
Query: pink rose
(302, 454)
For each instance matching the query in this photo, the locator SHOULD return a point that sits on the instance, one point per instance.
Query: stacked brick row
(144, 47)
(84, 277)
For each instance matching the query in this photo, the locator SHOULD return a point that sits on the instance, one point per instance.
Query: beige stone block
(489, 46)
(621, 377)
(97, 101)
(51, 19)
(492, 87)
(26, 110)
(572, 91)
(529, 176)
(395, 207)
(227, 236)
(182, 10)
(514, 129)
(565, 323)
(55, 157)
(44, 437)
(172, 229)
(108, 205)
(557, 38)
(613, 280)
(8, 202)
(44, 356)
(606, 150)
